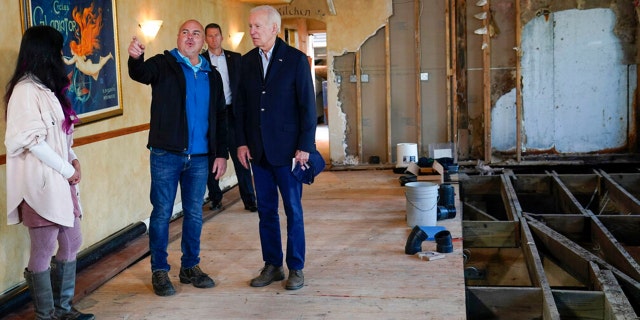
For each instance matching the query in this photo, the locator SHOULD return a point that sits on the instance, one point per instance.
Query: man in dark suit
(227, 63)
(275, 109)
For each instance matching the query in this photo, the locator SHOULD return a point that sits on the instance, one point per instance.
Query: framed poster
(90, 51)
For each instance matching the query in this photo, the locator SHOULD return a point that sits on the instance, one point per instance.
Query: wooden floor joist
(504, 303)
(536, 270)
(616, 304)
(592, 257)
(567, 202)
(625, 202)
(577, 259)
(476, 213)
(611, 250)
(491, 234)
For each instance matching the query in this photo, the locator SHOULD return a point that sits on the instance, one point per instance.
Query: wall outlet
(424, 76)
(363, 78)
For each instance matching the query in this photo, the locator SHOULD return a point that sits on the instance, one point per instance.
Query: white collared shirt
(266, 57)
(220, 62)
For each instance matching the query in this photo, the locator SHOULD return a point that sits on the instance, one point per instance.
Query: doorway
(310, 37)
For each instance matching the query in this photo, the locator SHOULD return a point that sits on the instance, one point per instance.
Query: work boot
(295, 281)
(269, 273)
(195, 276)
(162, 284)
(41, 294)
(63, 284)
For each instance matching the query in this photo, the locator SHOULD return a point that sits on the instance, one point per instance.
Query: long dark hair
(41, 56)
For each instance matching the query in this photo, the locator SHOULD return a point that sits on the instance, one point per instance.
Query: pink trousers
(45, 235)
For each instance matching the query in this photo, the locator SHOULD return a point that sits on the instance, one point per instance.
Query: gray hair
(273, 16)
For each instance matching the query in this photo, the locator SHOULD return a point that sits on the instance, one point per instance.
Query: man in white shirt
(228, 65)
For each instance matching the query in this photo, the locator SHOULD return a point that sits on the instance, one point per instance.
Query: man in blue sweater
(187, 127)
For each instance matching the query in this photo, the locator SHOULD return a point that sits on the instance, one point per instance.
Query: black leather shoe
(74, 314)
(295, 281)
(195, 276)
(162, 284)
(251, 207)
(216, 206)
(269, 273)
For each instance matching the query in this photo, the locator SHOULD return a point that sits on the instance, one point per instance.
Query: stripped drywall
(576, 86)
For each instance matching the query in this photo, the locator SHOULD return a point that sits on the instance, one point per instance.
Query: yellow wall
(115, 185)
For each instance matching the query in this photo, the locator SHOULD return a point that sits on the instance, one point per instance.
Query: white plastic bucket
(422, 203)
(406, 153)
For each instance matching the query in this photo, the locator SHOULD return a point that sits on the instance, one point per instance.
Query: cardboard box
(434, 174)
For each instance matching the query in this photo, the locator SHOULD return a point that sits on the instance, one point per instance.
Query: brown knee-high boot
(41, 295)
(63, 282)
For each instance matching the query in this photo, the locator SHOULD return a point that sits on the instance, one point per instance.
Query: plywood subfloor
(355, 269)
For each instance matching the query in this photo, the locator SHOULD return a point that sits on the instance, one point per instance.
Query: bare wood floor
(355, 264)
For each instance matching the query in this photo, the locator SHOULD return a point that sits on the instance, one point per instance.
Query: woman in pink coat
(43, 171)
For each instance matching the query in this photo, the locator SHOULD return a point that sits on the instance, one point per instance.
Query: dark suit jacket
(233, 67)
(276, 116)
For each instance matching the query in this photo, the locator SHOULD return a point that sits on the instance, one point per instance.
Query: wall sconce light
(236, 38)
(150, 28)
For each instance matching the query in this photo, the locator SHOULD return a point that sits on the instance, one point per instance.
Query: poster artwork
(89, 51)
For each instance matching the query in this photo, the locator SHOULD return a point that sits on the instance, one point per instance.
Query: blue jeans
(269, 180)
(167, 171)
